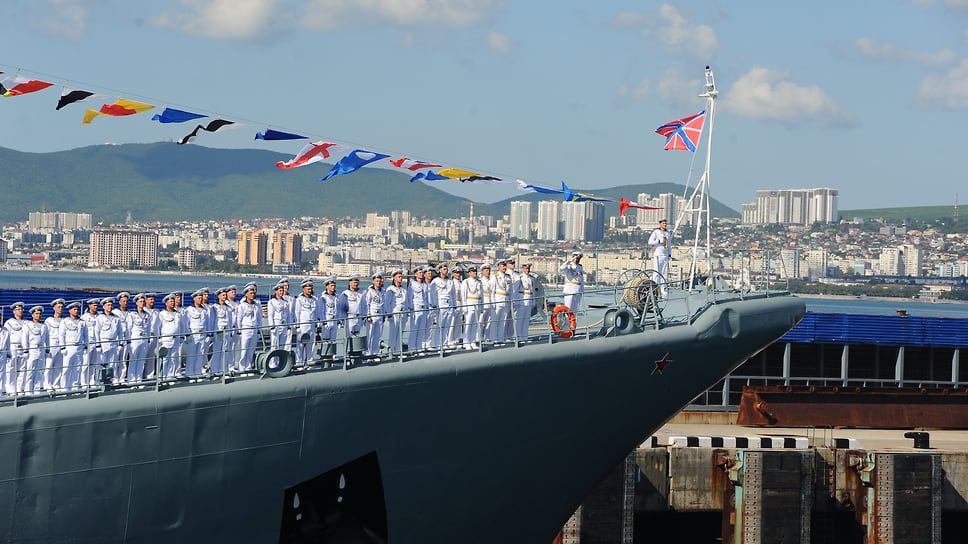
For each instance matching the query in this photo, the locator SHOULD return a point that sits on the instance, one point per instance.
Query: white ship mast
(697, 206)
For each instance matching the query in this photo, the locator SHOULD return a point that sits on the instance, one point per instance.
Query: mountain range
(168, 182)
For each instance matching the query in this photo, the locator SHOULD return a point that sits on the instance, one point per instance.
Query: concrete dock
(719, 482)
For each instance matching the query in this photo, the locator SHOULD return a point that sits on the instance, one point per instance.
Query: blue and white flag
(358, 158)
(171, 115)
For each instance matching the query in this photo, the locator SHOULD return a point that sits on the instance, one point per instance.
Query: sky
(811, 94)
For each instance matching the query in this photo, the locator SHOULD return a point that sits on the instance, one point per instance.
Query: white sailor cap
(397, 271)
(509, 260)
(37, 308)
(499, 262)
(329, 280)
(139, 296)
(17, 304)
(250, 284)
(472, 268)
(486, 265)
(284, 280)
(663, 220)
(205, 290)
(58, 301)
(124, 294)
(220, 290)
(442, 265)
(169, 296)
(89, 301)
(456, 270)
(250, 288)
(528, 264)
(428, 268)
(199, 293)
(75, 304)
(278, 286)
(150, 294)
(306, 281)
(106, 300)
(353, 277)
(231, 288)
(376, 275)
(577, 253)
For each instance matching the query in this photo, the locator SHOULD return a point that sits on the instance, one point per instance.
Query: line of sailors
(67, 351)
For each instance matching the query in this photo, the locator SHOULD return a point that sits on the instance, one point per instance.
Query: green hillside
(168, 182)
(919, 213)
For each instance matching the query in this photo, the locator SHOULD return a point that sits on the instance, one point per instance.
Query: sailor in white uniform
(396, 304)
(523, 292)
(152, 349)
(472, 298)
(54, 369)
(661, 243)
(4, 358)
(16, 358)
(249, 321)
(121, 310)
(487, 307)
(73, 331)
(418, 302)
(232, 335)
(140, 328)
(292, 311)
(224, 333)
(574, 281)
(351, 306)
(500, 297)
(454, 335)
(307, 315)
(171, 328)
(329, 310)
(92, 354)
(444, 299)
(34, 343)
(278, 315)
(373, 307)
(110, 338)
(200, 327)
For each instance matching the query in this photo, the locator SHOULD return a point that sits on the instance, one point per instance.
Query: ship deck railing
(54, 380)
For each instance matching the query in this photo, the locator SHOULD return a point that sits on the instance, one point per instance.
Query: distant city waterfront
(166, 282)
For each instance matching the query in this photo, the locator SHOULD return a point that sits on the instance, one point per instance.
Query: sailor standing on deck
(512, 278)
(417, 302)
(172, 328)
(4, 357)
(373, 307)
(307, 316)
(199, 326)
(91, 355)
(443, 298)
(54, 370)
(17, 358)
(329, 310)
(249, 321)
(121, 310)
(231, 337)
(661, 243)
(278, 314)
(73, 331)
(292, 312)
(523, 292)
(500, 300)
(140, 322)
(34, 342)
(351, 306)
(454, 335)
(472, 296)
(224, 325)
(152, 349)
(574, 281)
(487, 308)
(395, 302)
(110, 338)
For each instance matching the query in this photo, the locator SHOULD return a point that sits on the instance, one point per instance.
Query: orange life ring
(555, 323)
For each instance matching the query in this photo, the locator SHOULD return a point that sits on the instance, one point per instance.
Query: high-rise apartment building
(520, 220)
(57, 221)
(252, 247)
(792, 207)
(583, 221)
(123, 248)
(286, 248)
(549, 220)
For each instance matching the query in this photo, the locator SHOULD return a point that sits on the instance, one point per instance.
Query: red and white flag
(312, 152)
(412, 165)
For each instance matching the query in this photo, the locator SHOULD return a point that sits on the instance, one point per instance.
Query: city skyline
(826, 102)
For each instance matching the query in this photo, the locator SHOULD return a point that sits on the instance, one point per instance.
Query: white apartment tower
(520, 220)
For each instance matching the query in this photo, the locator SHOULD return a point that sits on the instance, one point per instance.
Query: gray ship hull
(499, 446)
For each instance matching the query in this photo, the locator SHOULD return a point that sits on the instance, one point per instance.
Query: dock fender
(624, 322)
(278, 363)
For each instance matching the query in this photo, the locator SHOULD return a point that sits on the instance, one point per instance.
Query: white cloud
(499, 43)
(223, 19)
(772, 96)
(946, 91)
(672, 86)
(334, 14)
(869, 48)
(672, 31)
(67, 18)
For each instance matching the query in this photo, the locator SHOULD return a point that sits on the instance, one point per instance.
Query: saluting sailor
(34, 342)
(661, 243)
(140, 329)
(351, 306)
(373, 307)
(307, 317)
(17, 358)
(472, 296)
(54, 370)
(249, 321)
(171, 328)
(74, 339)
(574, 281)
(523, 302)
(396, 304)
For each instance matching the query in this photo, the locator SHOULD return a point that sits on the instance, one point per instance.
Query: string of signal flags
(681, 134)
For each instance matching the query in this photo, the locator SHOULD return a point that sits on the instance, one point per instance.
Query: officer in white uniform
(73, 331)
(140, 329)
(487, 307)
(249, 321)
(172, 328)
(150, 361)
(34, 342)
(418, 302)
(472, 297)
(373, 307)
(54, 369)
(574, 281)
(307, 315)
(351, 306)
(500, 298)
(395, 301)
(523, 292)
(444, 299)
(661, 243)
